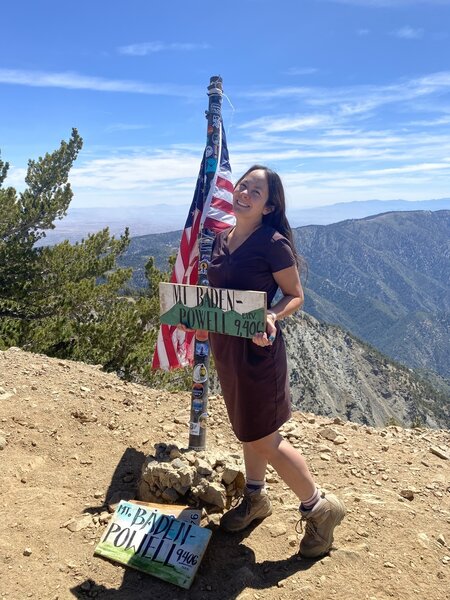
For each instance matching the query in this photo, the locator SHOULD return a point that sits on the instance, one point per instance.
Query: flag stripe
(213, 224)
(224, 183)
(220, 204)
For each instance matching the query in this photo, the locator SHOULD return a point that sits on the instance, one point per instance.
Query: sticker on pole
(200, 374)
(233, 312)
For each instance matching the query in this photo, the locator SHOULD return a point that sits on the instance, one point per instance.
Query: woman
(258, 254)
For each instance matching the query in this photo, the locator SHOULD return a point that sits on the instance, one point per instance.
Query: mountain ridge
(366, 275)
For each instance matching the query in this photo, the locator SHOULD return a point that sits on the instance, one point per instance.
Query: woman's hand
(267, 337)
(182, 327)
(200, 334)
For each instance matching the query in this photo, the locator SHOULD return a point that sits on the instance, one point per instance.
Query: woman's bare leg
(286, 460)
(255, 463)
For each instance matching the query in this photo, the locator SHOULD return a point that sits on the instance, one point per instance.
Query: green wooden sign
(234, 312)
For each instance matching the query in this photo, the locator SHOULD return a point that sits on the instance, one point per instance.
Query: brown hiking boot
(320, 523)
(253, 505)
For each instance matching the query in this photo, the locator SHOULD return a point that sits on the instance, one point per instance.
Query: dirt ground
(71, 436)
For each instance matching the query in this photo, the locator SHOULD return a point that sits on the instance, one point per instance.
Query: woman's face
(251, 194)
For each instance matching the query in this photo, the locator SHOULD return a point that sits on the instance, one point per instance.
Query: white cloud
(287, 123)
(330, 144)
(410, 168)
(145, 48)
(343, 151)
(348, 101)
(319, 188)
(282, 92)
(430, 122)
(75, 81)
(362, 31)
(16, 177)
(417, 168)
(408, 33)
(434, 80)
(136, 172)
(358, 100)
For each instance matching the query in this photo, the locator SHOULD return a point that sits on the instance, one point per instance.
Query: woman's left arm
(288, 281)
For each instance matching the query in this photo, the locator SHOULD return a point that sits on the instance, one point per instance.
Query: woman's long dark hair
(277, 218)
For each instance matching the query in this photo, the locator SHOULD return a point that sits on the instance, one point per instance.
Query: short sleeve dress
(254, 379)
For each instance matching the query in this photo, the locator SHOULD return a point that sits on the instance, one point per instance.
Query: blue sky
(347, 99)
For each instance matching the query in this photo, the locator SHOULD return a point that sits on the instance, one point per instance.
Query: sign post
(200, 377)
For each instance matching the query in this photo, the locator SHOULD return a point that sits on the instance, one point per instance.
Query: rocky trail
(74, 439)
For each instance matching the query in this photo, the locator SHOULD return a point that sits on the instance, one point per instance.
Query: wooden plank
(156, 543)
(234, 312)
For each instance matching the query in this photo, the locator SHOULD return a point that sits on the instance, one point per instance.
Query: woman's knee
(266, 446)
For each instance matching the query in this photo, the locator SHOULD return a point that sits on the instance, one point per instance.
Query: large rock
(211, 493)
(175, 475)
(329, 434)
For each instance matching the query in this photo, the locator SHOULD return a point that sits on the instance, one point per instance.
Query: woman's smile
(240, 203)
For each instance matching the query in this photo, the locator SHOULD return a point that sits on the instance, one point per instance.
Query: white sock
(254, 485)
(310, 503)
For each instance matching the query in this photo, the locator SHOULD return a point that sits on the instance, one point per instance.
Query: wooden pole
(200, 376)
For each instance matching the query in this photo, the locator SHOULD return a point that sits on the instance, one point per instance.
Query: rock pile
(176, 475)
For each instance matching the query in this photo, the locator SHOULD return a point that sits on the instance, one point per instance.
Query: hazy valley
(160, 218)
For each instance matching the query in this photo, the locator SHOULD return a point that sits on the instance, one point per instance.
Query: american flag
(174, 348)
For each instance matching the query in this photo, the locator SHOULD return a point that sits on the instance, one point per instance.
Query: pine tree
(24, 218)
(71, 300)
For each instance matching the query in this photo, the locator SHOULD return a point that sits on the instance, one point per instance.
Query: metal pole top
(215, 85)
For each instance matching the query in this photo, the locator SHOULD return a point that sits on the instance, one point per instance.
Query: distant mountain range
(325, 215)
(163, 217)
(384, 278)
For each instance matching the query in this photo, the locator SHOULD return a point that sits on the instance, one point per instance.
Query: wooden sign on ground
(164, 541)
(234, 312)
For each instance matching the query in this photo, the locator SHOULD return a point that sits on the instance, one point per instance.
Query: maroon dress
(254, 379)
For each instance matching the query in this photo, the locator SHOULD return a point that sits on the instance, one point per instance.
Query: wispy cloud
(361, 99)
(416, 168)
(281, 92)
(75, 81)
(135, 172)
(301, 71)
(362, 31)
(287, 123)
(169, 175)
(412, 181)
(408, 33)
(430, 122)
(145, 48)
(329, 143)
(16, 177)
